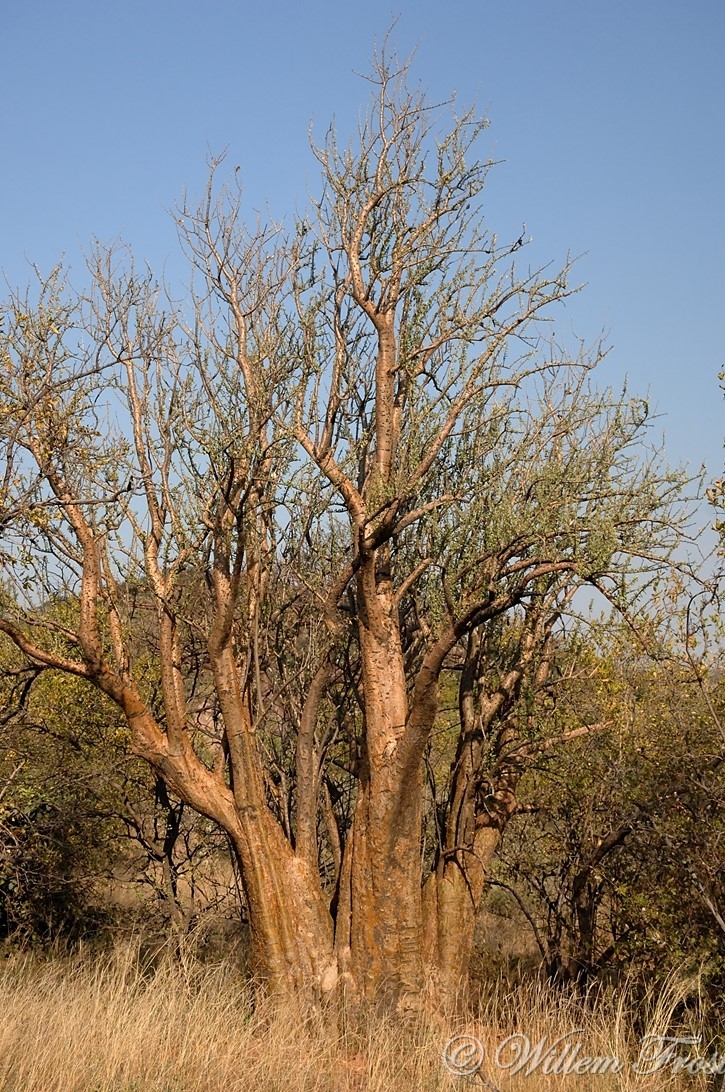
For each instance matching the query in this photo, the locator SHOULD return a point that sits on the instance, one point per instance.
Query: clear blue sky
(609, 116)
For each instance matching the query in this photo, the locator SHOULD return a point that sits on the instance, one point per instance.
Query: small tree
(614, 859)
(356, 472)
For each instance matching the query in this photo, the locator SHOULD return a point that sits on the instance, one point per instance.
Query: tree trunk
(290, 925)
(451, 902)
(379, 934)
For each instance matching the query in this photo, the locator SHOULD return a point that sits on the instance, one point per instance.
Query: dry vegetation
(86, 1023)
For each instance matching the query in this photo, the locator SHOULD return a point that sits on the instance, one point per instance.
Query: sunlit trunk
(380, 938)
(290, 928)
(289, 920)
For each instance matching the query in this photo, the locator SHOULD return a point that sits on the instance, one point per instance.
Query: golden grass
(106, 1024)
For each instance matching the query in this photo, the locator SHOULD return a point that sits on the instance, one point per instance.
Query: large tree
(360, 484)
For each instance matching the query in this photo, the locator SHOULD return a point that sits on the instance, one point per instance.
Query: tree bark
(290, 925)
(452, 898)
(380, 943)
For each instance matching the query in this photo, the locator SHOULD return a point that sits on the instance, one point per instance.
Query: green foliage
(616, 855)
(80, 817)
(55, 831)
(716, 494)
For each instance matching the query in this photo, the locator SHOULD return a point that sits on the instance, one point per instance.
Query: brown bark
(477, 815)
(290, 924)
(452, 898)
(383, 931)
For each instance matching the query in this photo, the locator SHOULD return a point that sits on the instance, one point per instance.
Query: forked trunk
(290, 924)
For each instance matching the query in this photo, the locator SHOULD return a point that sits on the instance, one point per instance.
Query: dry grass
(107, 1025)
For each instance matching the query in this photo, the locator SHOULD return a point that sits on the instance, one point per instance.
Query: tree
(356, 472)
(615, 857)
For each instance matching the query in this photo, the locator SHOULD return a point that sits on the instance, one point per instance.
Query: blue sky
(608, 117)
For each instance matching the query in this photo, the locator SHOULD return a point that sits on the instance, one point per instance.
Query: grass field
(115, 1023)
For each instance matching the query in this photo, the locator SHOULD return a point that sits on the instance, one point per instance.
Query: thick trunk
(379, 933)
(289, 922)
(379, 929)
(451, 902)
